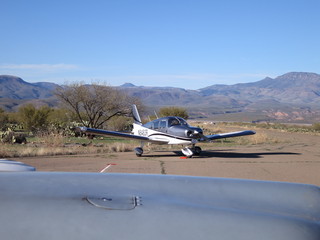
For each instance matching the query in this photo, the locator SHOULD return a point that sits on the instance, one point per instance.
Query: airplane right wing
(228, 135)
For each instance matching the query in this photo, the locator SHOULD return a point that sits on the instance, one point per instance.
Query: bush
(34, 119)
(174, 111)
(316, 127)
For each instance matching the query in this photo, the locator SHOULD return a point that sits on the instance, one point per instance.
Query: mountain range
(292, 97)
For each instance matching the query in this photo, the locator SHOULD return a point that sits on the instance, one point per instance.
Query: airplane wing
(111, 133)
(118, 134)
(14, 166)
(46, 205)
(228, 135)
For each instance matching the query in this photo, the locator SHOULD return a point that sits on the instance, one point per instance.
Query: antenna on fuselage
(136, 115)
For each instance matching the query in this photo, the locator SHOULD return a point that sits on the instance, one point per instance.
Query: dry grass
(32, 151)
(258, 138)
(55, 144)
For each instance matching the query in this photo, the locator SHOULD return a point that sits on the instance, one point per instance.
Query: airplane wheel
(197, 150)
(187, 152)
(138, 151)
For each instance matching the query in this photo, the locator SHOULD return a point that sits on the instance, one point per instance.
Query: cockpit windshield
(173, 121)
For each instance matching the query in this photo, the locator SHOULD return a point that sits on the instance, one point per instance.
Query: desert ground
(294, 157)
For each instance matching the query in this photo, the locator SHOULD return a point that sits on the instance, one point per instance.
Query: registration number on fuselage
(143, 132)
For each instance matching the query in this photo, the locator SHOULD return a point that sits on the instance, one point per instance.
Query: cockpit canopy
(173, 121)
(166, 122)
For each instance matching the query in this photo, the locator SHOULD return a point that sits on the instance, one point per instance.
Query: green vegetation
(34, 119)
(174, 111)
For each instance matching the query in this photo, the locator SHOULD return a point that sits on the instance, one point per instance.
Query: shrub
(316, 127)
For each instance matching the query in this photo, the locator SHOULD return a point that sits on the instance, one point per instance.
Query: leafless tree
(95, 104)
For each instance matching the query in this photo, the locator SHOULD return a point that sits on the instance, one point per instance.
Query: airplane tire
(197, 150)
(138, 151)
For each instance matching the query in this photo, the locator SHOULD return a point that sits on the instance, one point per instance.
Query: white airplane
(167, 130)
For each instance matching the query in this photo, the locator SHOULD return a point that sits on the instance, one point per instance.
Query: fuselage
(170, 130)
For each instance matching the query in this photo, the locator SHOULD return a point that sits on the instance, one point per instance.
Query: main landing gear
(138, 151)
(195, 150)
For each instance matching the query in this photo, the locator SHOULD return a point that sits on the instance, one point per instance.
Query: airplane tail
(136, 116)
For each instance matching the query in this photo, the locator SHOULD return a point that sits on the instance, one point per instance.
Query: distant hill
(292, 97)
(127, 85)
(16, 88)
(14, 91)
(293, 88)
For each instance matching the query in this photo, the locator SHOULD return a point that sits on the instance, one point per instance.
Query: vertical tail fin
(136, 115)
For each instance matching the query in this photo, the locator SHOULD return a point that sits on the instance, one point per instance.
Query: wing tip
(251, 132)
(82, 129)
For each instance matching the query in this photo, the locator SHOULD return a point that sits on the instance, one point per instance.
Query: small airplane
(166, 130)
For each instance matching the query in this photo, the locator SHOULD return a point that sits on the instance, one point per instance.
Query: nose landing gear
(187, 152)
(195, 150)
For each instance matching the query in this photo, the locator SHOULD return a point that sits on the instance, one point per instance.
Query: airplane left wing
(120, 134)
(228, 135)
(112, 133)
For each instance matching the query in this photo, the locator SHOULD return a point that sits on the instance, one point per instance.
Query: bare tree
(95, 104)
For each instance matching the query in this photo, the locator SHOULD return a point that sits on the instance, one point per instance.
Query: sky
(179, 43)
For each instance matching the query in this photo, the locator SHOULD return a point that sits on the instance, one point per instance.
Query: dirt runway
(296, 158)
